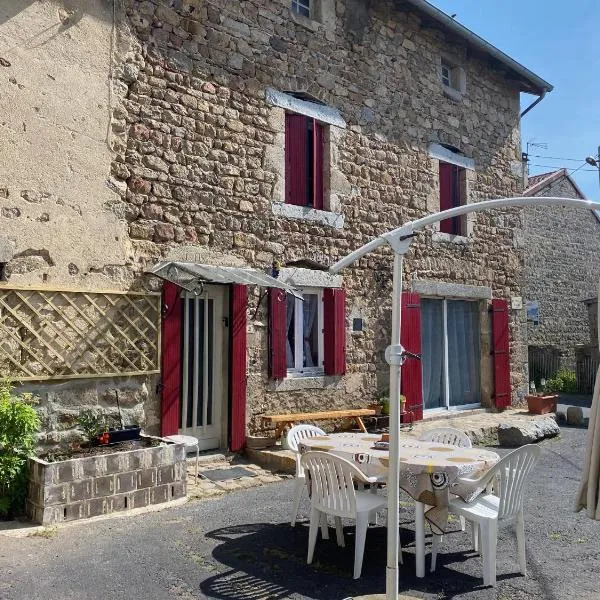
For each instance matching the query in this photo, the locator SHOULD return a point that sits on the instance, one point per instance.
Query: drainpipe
(542, 96)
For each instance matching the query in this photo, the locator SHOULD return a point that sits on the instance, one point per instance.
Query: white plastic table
(189, 441)
(428, 473)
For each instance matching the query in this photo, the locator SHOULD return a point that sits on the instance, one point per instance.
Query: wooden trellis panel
(68, 334)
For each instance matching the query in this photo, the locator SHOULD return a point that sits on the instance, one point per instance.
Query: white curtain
(310, 305)
(463, 352)
(432, 349)
(289, 316)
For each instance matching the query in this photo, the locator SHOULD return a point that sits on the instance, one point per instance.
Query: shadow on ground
(269, 561)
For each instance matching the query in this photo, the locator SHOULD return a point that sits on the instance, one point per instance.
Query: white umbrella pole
(394, 359)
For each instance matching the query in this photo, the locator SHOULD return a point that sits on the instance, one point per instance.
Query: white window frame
(447, 74)
(298, 370)
(298, 5)
(446, 368)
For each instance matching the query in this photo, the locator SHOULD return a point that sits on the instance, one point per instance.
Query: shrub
(562, 381)
(92, 425)
(19, 423)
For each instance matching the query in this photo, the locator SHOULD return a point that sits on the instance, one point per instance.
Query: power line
(556, 168)
(557, 158)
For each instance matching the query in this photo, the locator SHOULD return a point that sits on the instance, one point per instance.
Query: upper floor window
(453, 78)
(452, 194)
(301, 7)
(304, 156)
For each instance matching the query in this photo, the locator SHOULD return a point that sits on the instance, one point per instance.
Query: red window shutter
(318, 141)
(171, 359)
(237, 383)
(334, 331)
(296, 153)
(410, 339)
(277, 333)
(446, 194)
(502, 391)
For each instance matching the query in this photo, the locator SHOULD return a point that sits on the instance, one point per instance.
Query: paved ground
(239, 546)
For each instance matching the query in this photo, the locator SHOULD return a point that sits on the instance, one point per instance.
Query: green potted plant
(544, 401)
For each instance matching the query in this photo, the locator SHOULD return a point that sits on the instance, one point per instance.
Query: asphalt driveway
(240, 546)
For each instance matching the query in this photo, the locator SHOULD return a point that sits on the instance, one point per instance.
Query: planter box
(124, 435)
(540, 405)
(96, 485)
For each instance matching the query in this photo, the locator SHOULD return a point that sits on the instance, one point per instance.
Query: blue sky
(560, 42)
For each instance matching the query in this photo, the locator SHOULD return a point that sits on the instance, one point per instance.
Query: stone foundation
(99, 485)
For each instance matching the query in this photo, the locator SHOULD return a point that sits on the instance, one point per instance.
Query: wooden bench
(281, 421)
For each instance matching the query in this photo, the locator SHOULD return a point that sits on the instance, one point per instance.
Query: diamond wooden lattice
(67, 334)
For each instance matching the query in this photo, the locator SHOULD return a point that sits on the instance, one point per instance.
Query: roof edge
(540, 85)
(551, 178)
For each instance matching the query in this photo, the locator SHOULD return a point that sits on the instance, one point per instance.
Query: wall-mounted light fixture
(3, 276)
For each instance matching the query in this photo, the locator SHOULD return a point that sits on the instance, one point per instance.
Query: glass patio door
(202, 357)
(450, 345)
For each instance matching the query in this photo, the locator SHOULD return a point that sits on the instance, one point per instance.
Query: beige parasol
(588, 496)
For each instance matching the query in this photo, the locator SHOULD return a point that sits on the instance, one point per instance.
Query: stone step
(274, 459)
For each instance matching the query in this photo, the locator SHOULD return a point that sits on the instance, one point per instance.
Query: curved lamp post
(399, 240)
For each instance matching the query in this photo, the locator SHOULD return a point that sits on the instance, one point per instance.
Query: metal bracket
(401, 240)
(397, 355)
(394, 355)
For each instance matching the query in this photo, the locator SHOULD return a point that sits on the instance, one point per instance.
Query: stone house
(561, 274)
(237, 149)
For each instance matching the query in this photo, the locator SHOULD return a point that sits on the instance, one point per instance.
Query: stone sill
(312, 382)
(291, 211)
(452, 94)
(439, 236)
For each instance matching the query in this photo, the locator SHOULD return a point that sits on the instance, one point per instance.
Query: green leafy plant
(562, 381)
(384, 400)
(92, 424)
(19, 422)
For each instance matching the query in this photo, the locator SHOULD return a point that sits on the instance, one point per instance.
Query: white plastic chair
(332, 493)
(448, 435)
(488, 511)
(294, 437)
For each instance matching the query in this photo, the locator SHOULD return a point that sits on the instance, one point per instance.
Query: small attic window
(453, 77)
(301, 7)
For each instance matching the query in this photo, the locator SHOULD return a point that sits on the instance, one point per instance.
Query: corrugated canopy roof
(189, 275)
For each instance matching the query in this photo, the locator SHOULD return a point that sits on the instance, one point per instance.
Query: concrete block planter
(97, 485)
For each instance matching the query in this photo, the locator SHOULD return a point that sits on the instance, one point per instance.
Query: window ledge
(306, 382)
(439, 236)
(307, 22)
(452, 93)
(291, 211)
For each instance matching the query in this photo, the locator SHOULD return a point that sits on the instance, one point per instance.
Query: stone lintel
(323, 113)
(452, 290)
(299, 277)
(438, 152)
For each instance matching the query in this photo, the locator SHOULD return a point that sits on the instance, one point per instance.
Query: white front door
(204, 383)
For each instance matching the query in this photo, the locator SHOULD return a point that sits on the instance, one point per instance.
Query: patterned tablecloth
(428, 471)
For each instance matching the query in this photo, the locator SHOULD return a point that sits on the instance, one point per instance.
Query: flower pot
(376, 407)
(540, 405)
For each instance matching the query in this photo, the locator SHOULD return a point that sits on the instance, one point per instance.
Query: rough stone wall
(63, 73)
(194, 163)
(561, 270)
(200, 140)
